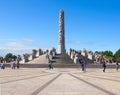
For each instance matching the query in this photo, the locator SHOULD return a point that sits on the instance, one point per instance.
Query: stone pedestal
(69, 53)
(72, 55)
(76, 59)
(84, 53)
(34, 53)
(30, 57)
(90, 57)
(39, 52)
(24, 58)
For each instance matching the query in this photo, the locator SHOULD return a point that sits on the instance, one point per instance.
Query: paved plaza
(42, 81)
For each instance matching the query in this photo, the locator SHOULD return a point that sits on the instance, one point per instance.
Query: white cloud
(28, 40)
(3, 52)
(19, 47)
(74, 42)
(15, 45)
(15, 48)
(19, 44)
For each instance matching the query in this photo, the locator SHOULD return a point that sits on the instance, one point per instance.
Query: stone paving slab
(41, 81)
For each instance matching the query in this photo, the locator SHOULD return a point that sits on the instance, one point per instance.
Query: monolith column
(61, 40)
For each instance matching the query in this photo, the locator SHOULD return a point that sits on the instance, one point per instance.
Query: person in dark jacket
(104, 66)
(117, 66)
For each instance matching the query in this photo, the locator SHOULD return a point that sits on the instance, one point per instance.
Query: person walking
(18, 64)
(50, 65)
(117, 66)
(81, 62)
(104, 65)
(13, 64)
(2, 64)
(84, 64)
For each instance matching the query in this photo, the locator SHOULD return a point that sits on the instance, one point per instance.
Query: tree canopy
(110, 55)
(117, 55)
(10, 56)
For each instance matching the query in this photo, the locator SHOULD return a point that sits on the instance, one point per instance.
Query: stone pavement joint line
(24, 78)
(45, 85)
(103, 78)
(108, 92)
(22, 75)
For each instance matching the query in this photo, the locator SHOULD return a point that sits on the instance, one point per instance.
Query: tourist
(81, 62)
(2, 64)
(18, 64)
(13, 64)
(117, 66)
(104, 65)
(84, 64)
(48, 58)
(50, 66)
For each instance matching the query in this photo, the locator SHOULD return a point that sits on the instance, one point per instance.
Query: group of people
(13, 64)
(82, 61)
(104, 66)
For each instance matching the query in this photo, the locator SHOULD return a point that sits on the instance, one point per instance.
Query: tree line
(9, 56)
(110, 55)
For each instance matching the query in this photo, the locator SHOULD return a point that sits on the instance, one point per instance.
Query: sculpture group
(61, 47)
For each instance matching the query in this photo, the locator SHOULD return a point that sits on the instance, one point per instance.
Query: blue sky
(89, 24)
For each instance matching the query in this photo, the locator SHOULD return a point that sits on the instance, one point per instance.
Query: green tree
(1, 57)
(97, 52)
(117, 56)
(8, 56)
(108, 53)
(14, 57)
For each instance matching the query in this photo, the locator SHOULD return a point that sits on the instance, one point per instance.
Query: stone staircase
(63, 59)
(64, 62)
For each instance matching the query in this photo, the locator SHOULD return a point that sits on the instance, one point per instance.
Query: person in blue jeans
(117, 66)
(83, 64)
(2, 65)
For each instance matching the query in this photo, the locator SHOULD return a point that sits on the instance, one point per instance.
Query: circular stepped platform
(60, 62)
